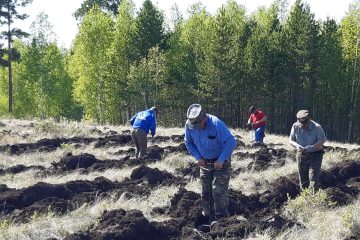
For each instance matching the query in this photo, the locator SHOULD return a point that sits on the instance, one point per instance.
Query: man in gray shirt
(308, 138)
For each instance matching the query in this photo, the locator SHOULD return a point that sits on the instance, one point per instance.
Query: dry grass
(326, 224)
(29, 178)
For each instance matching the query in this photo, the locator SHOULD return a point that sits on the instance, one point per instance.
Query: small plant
(4, 224)
(351, 221)
(304, 206)
(64, 146)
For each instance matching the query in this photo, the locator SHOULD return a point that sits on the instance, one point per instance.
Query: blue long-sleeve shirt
(146, 120)
(213, 141)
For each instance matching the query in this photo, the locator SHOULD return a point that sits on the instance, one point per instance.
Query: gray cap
(195, 114)
(302, 114)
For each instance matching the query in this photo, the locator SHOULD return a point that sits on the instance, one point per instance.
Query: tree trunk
(10, 66)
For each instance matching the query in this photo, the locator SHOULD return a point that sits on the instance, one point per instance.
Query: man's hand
(201, 163)
(248, 126)
(218, 164)
(307, 148)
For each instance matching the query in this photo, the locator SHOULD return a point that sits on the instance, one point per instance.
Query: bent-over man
(210, 142)
(142, 122)
(258, 120)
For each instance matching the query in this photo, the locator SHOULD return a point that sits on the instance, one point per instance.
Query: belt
(311, 153)
(211, 160)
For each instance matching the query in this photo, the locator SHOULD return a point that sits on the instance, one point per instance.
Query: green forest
(124, 60)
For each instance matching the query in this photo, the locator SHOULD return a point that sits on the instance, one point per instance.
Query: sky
(60, 12)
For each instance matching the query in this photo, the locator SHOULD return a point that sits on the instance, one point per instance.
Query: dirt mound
(266, 157)
(153, 176)
(171, 149)
(235, 228)
(48, 145)
(335, 149)
(186, 205)
(123, 225)
(193, 171)
(112, 140)
(340, 174)
(63, 197)
(354, 183)
(280, 189)
(178, 138)
(19, 168)
(155, 154)
(87, 163)
(339, 196)
(119, 224)
(71, 162)
(129, 151)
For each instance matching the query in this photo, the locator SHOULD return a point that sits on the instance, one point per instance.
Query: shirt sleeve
(227, 139)
(320, 134)
(292, 138)
(153, 125)
(132, 120)
(190, 145)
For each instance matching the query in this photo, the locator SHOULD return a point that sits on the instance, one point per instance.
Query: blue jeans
(259, 134)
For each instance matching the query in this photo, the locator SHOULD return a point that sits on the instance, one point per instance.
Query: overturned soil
(49, 145)
(248, 214)
(258, 211)
(60, 198)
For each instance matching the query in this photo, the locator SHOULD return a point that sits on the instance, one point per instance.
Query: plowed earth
(247, 213)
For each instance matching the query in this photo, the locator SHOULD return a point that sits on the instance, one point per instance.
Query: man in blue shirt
(142, 122)
(308, 137)
(210, 142)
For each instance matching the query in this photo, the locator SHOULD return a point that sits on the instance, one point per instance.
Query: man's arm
(261, 120)
(249, 120)
(132, 120)
(227, 139)
(292, 139)
(190, 145)
(153, 125)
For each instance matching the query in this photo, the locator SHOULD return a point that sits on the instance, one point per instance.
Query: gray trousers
(309, 166)
(139, 137)
(219, 184)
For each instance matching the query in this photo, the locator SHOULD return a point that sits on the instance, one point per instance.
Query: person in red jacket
(258, 120)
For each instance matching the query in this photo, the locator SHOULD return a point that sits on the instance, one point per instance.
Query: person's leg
(303, 168)
(136, 142)
(315, 171)
(220, 192)
(205, 178)
(141, 136)
(259, 134)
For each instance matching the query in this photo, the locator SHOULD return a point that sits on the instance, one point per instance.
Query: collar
(310, 126)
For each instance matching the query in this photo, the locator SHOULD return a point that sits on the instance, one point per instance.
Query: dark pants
(219, 185)
(139, 137)
(309, 165)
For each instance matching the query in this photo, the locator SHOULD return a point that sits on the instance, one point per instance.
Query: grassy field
(45, 197)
